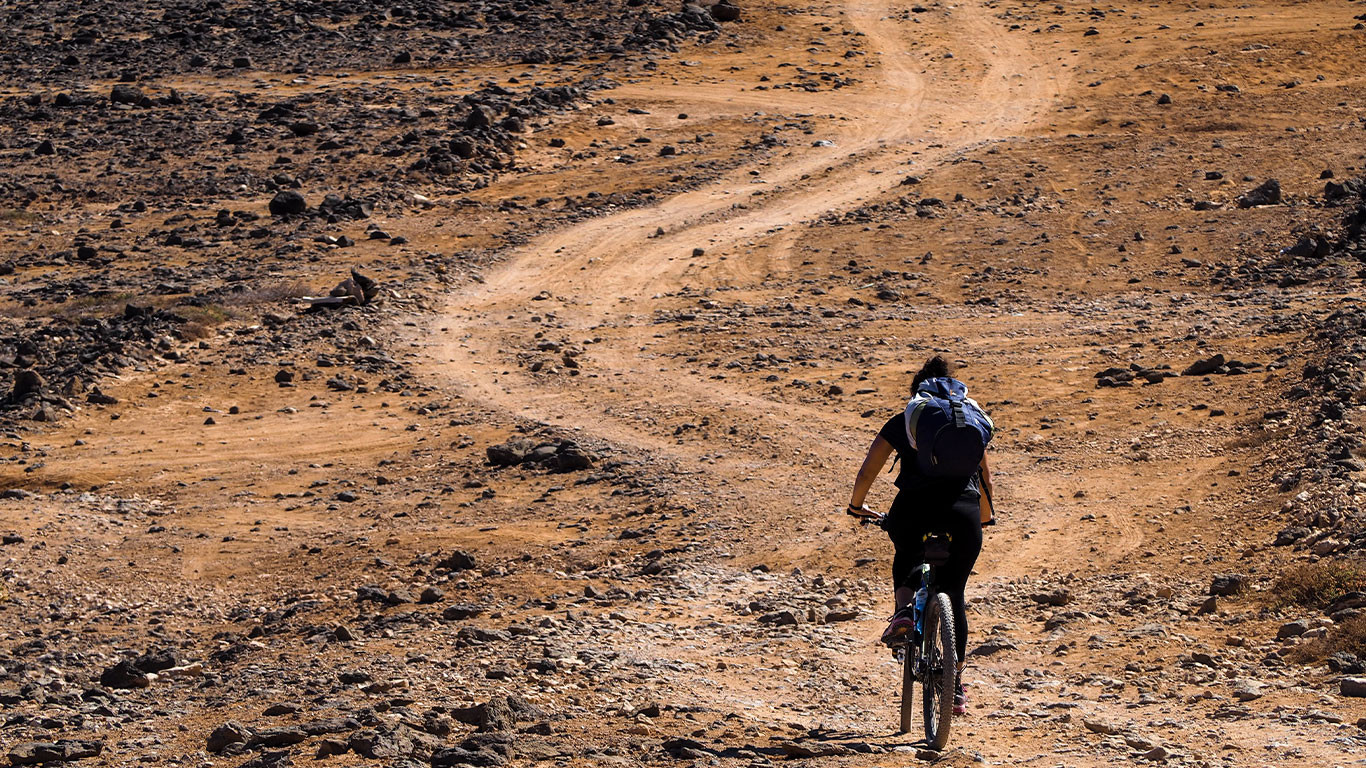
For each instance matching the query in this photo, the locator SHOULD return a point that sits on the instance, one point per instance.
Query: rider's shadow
(858, 742)
(816, 743)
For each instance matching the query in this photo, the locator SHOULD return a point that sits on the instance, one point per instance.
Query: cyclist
(926, 504)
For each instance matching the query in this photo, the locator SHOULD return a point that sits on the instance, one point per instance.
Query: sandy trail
(607, 269)
(912, 115)
(917, 111)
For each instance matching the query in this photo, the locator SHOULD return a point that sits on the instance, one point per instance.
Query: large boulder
(1227, 585)
(571, 457)
(231, 732)
(27, 382)
(480, 116)
(510, 453)
(459, 560)
(1206, 366)
(1269, 193)
(124, 675)
(64, 751)
(496, 715)
(725, 11)
(123, 93)
(287, 202)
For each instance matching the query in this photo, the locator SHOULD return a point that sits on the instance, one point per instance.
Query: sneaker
(960, 700)
(900, 625)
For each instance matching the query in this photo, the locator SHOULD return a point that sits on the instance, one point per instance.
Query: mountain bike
(927, 653)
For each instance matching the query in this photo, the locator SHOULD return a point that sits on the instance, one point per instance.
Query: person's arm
(878, 453)
(988, 494)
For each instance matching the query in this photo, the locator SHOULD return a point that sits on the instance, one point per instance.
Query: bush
(269, 292)
(200, 321)
(1317, 585)
(1347, 637)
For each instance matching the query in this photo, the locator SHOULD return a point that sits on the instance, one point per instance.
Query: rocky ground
(565, 488)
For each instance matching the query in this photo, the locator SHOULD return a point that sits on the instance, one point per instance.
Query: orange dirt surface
(994, 180)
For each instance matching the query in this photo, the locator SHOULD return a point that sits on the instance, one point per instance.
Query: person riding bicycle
(930, 502)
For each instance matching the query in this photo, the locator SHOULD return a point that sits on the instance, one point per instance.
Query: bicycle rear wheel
(941, 670)
(907, 688)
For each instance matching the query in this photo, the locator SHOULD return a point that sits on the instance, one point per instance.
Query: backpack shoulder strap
(960, 419)
(913, 409)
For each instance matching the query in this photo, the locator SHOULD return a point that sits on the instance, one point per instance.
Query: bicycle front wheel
(941, 670)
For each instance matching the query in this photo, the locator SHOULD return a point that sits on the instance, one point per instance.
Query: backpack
(948, 429)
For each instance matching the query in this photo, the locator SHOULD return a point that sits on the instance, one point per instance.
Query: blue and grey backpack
(948, 429)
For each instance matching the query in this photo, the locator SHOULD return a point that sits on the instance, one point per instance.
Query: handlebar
(867, 516)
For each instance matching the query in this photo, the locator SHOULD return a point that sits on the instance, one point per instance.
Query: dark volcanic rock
(461, 611)
(1203, 367)
(231, 732)
(124, 675)
(458, 757)
(27, 382)
(158, 660)
(725, 11)
(495, 715)
(570, 457)
(277, 737)
(1227, 585)
(124, 93)
(459, 560)
(64, 751)
(510, 453)
(288, 203)
(278, 759)
(1269, 193)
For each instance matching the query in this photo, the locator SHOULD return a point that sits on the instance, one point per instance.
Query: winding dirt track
(604, 271)
(918, 110)
(913, 113)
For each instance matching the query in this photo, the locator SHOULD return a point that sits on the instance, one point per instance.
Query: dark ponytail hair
(935, 368)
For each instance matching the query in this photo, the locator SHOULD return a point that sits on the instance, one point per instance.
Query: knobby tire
(907, 689)
(941, 671)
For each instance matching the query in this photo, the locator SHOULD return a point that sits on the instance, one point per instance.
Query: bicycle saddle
(937, 548)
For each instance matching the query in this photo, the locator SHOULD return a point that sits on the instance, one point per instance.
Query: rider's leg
(904, 596)
(953, 577)
(967, 544)
(905, 578)
(910, 551)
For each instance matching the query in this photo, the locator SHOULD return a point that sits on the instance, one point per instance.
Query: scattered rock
(64, 751)
(124, 675)
(1227, 585)
(287, 202)
(993, 646)
(495, 715)
(231, 732)
(1269, 193)
(725, 11)
(1102, 727)
(795, 749)
(1057, 597)
(459, 560)
(1293, 629)
(1203, 367)
(1353, 686)
(461, 611)
(124, 93)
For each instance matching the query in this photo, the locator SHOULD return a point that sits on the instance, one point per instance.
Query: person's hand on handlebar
(863, 512)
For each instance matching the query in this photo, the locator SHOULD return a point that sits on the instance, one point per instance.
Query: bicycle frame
(915, 640)
(916, 650)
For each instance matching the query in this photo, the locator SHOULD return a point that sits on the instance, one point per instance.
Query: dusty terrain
(688, 266)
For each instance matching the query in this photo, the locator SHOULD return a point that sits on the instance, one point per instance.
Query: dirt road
(703, 267)
(609, 280)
